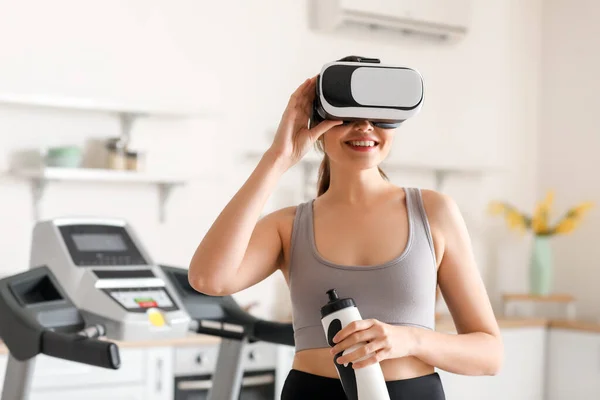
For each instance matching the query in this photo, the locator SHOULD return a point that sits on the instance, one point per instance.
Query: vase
(540, 267)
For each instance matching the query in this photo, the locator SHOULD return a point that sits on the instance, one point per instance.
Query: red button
(146, 304)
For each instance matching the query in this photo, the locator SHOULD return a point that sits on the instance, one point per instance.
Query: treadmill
(91, 281)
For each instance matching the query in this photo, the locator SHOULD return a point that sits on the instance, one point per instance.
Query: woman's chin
(363, 166)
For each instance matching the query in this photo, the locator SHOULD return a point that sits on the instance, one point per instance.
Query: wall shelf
(127, 113)
(41, 177)
(89, 104)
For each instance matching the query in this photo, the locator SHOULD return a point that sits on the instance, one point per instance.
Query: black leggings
(301, 385)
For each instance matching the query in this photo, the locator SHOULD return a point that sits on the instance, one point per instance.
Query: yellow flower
(539, 221)
(581, 209)
(572, 218)
(516, 221)
(541, 214)
(549, 200)
(567, 225)
(496, 208)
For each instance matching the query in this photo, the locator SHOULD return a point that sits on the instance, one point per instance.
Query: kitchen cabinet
(285, 360)
(573, 365)
(158, 377)
(540, 363)
(145, 373)
(112, 393)
(521, 377)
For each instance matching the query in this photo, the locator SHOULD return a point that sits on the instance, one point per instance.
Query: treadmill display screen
(99, 242)
(141, 300)
(101, 245)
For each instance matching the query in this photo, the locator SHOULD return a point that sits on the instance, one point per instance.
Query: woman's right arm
(237, 251)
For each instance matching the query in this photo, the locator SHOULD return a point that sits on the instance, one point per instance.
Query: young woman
(387, 247)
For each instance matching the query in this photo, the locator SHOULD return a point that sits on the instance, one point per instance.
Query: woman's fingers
(299, 110)
(308, 86)
(367, 350)
(295, 98)
(298, 95)
(300, 89)
(305, 104)
(309, 90)
(323, 127)
(298, 98)
(307, 110)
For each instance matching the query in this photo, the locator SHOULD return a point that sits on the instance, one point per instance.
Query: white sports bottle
(365, 383)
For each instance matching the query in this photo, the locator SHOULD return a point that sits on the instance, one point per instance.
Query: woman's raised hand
(294, 138)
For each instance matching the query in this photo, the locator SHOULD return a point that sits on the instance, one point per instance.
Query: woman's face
(358, 144)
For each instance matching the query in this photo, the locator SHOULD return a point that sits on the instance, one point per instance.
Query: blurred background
(157, 111)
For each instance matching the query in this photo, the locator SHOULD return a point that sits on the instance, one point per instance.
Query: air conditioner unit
(435, 19)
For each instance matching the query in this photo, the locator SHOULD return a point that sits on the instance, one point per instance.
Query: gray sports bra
(399, 292)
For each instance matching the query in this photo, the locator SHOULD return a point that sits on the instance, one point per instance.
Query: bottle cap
(335, 303)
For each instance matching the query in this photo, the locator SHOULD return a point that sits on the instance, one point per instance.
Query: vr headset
(358, 88)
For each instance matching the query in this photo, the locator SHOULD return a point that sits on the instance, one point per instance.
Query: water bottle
(365, 383)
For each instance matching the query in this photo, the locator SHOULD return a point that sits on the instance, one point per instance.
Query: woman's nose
(363, 126)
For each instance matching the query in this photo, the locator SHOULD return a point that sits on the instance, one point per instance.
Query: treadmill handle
(274, 332)
(81, 349)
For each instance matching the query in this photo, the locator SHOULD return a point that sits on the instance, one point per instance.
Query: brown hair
(325, 170)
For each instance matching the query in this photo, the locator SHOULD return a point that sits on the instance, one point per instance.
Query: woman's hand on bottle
(381, 341)
(293, 138)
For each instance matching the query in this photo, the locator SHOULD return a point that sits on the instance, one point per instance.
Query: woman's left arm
(477, 348)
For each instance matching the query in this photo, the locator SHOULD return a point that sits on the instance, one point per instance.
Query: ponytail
(325, 171)
(324, 176)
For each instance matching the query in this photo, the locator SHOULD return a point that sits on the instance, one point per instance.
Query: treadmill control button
(156, 318)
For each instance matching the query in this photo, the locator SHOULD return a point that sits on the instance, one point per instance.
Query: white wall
(569, 145)
(245, 58)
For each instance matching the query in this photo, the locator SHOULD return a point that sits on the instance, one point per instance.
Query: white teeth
(366, 143)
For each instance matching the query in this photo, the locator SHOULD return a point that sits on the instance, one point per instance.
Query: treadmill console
(110, 276)
(97, 245)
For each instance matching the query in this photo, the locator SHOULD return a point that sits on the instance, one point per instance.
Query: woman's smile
(362, 144)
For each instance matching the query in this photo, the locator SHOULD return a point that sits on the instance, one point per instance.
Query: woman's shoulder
(440, 207)
(437, 201)
(284, 213)
(284, 219)
(285, 216)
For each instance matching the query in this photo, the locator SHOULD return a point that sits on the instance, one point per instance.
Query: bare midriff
(320, 362)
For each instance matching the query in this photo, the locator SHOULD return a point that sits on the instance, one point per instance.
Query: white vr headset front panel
(371, 87)
(377, 89)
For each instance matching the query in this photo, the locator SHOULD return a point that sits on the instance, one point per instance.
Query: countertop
(583, 326)
(446, 324)
(443, 324)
